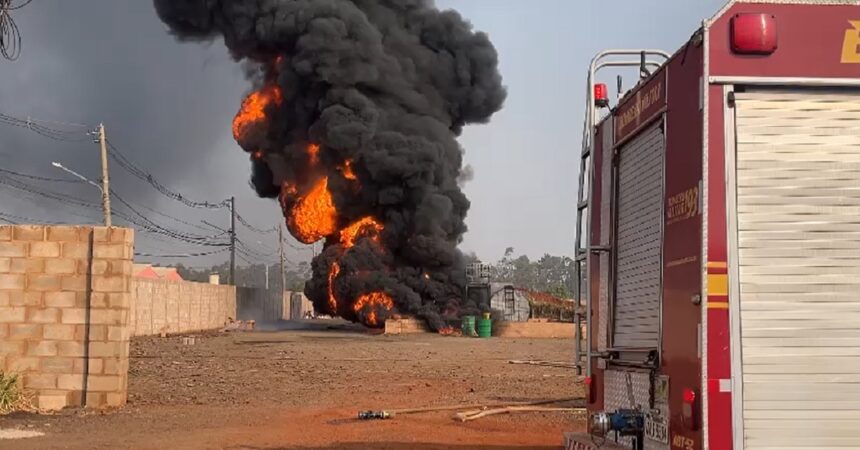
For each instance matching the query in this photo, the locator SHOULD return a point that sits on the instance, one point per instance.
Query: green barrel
(485, 328)
(468, 325)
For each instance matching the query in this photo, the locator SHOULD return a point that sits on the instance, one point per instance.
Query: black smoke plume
(386, 86)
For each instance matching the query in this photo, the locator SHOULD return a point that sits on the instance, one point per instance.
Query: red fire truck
(719, 237)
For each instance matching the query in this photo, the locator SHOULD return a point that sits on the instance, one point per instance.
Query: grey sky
(168, 107)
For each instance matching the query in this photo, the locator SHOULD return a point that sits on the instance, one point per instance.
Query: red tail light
(601, 95)
(689, 396)
(589, 389)
(689, 410)
(753, 34)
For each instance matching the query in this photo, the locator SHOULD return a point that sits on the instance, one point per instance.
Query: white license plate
(656, 428)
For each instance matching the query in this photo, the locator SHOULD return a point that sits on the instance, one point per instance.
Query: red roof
(156, 273)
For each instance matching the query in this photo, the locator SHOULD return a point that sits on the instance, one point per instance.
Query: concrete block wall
(163, 306)
(65, 293)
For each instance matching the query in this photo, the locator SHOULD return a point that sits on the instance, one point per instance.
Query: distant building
(147, 271)
(168, 273)
(512, 302)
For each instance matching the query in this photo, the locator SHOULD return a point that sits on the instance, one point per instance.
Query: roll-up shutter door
(639, 241)
(798, 201)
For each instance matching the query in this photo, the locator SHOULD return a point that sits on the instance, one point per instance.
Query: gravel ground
(302, 388)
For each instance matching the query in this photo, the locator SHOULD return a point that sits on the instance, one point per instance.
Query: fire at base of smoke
(352, 125)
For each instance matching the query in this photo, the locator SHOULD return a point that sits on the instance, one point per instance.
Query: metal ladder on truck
(584, 247)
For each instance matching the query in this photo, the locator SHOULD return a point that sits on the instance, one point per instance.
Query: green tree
(550, 274)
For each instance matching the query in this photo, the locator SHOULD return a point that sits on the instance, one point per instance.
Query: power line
(140, 220)
(182, 255)
(167, 216)
(9, 217)
(40, 178)
(254, 252)
(10, 35)
(69, 211)
(148, 223)
(136, 218)
(52, 133)
(20, 185)
(131, 168)
(253, 228)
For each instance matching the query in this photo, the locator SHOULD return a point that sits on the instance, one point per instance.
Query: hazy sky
(168, 107)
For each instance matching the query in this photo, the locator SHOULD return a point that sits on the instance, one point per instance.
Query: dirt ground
(302, 389)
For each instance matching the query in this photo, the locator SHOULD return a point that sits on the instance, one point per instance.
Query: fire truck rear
(718, 239)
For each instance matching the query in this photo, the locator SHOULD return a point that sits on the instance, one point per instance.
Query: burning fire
(347, 171)
(253, 109)
(314, 154)
(372, 303)
(288, 189)
(314, 216)
(367, 226)
(449, 331)
(311, 213)
(332, 300)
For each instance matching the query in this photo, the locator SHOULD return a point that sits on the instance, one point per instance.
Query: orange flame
(288, 189)
(347, 171)
(373, 301)
(332, 300)
(367, 226)
(450, 331)
(314, 154)
(258, 155)
(254, 108)
(314, 216)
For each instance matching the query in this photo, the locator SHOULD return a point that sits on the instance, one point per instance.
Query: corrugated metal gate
(639, 241)
(798, 247)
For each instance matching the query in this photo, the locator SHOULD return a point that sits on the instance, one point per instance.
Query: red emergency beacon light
(601, 95)
(753, 34)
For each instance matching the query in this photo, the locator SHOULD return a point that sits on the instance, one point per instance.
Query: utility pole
(105, 177)
(267, 276)
(233, 241)
(281, 249)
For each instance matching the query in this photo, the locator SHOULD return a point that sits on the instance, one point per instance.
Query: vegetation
(252, 276)
(10, 396)
(550, 274)
(546, 306)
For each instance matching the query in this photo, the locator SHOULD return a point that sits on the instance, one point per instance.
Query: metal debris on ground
(374, 415)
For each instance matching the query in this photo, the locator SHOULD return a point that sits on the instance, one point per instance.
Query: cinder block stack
(65, 294)
(405, 326)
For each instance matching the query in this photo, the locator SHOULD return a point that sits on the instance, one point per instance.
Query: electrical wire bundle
(38, 126)
(10, 35)
(130, 212)
(131, 168)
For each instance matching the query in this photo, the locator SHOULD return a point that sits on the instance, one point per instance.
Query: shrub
(10, 396)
